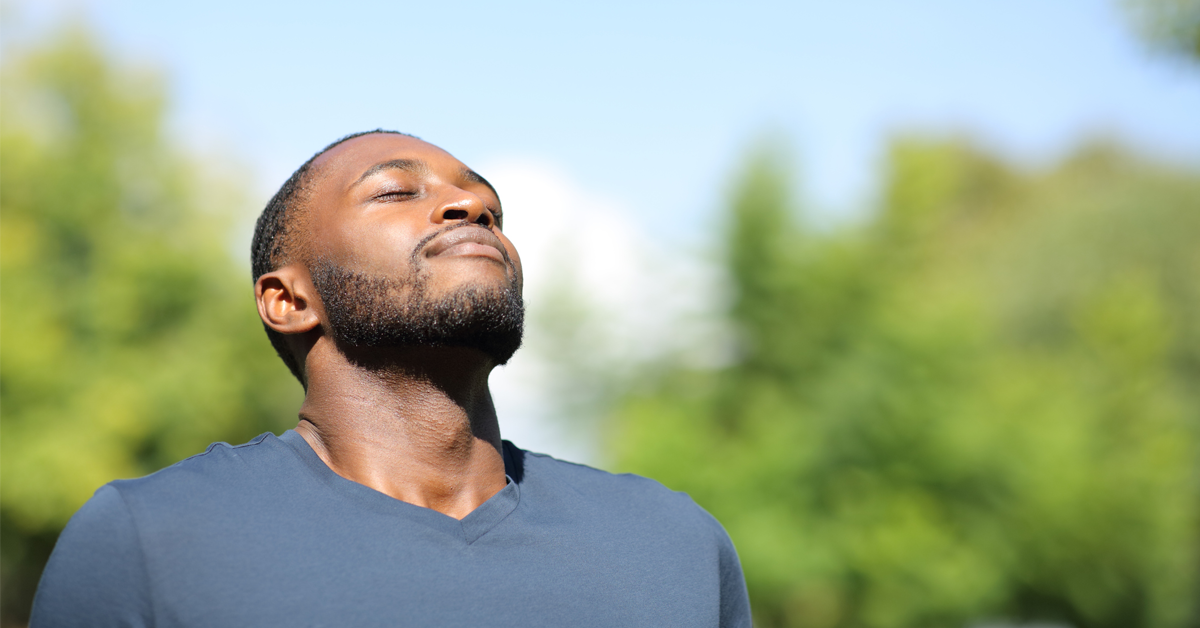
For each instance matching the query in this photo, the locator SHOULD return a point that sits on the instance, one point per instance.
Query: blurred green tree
(979, 405)
(130, 337)
(1172, 26)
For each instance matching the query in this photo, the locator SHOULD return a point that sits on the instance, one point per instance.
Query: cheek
(376, 249)
(512, 255)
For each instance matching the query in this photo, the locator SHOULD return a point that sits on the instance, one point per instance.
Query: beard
(374, 312)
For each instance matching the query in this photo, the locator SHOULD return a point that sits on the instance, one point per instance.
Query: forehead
(343, 164)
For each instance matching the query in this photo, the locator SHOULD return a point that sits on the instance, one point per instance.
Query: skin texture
(417, 424)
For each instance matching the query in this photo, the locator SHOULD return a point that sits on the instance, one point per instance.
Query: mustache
(416, 254)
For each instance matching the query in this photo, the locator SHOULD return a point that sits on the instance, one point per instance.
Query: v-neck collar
(468, 529)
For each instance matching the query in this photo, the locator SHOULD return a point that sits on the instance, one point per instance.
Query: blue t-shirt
(265, 534)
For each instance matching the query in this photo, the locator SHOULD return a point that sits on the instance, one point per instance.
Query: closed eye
(394, 195)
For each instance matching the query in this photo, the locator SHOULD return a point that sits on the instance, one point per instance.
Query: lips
(467, 242)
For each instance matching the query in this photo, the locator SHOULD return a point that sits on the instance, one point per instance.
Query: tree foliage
(130, 338)
(1172, 26)
(980, 405)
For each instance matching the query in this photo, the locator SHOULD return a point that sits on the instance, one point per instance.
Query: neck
(415, 424)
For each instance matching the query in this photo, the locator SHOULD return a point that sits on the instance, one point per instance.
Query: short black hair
(274, 236)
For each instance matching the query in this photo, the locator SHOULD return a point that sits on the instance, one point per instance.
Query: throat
(434, 444)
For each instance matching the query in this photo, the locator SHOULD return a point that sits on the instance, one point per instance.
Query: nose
(464, 206)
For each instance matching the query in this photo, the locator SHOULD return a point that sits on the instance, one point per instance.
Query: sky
(654, 102)
(619, 125)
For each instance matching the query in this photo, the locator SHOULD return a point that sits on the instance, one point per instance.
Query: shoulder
(96, 575)
(642, 516)
(99, 573)
(217, 467)
(222, 479)
(624, 494)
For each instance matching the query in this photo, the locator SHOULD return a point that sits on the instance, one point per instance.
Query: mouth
(468, 241)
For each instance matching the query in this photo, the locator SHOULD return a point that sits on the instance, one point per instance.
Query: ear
(286, 300)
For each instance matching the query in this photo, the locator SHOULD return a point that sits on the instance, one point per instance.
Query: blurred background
(906, 294)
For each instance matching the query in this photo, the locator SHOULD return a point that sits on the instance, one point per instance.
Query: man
(386, 284)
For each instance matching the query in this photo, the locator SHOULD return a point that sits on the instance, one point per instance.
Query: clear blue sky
(653, 103)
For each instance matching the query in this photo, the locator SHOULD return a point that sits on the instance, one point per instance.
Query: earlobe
(284, 302)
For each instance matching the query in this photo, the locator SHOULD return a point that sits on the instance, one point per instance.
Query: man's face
(405, 248)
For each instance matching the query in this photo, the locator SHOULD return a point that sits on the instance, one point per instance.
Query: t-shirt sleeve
(735, 601)
(96, 575)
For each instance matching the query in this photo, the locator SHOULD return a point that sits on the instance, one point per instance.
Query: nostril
(455, 214)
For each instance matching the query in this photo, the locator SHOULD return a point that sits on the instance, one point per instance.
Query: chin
(365, 311)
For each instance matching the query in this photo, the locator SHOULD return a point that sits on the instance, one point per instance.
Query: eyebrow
(417, 166)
